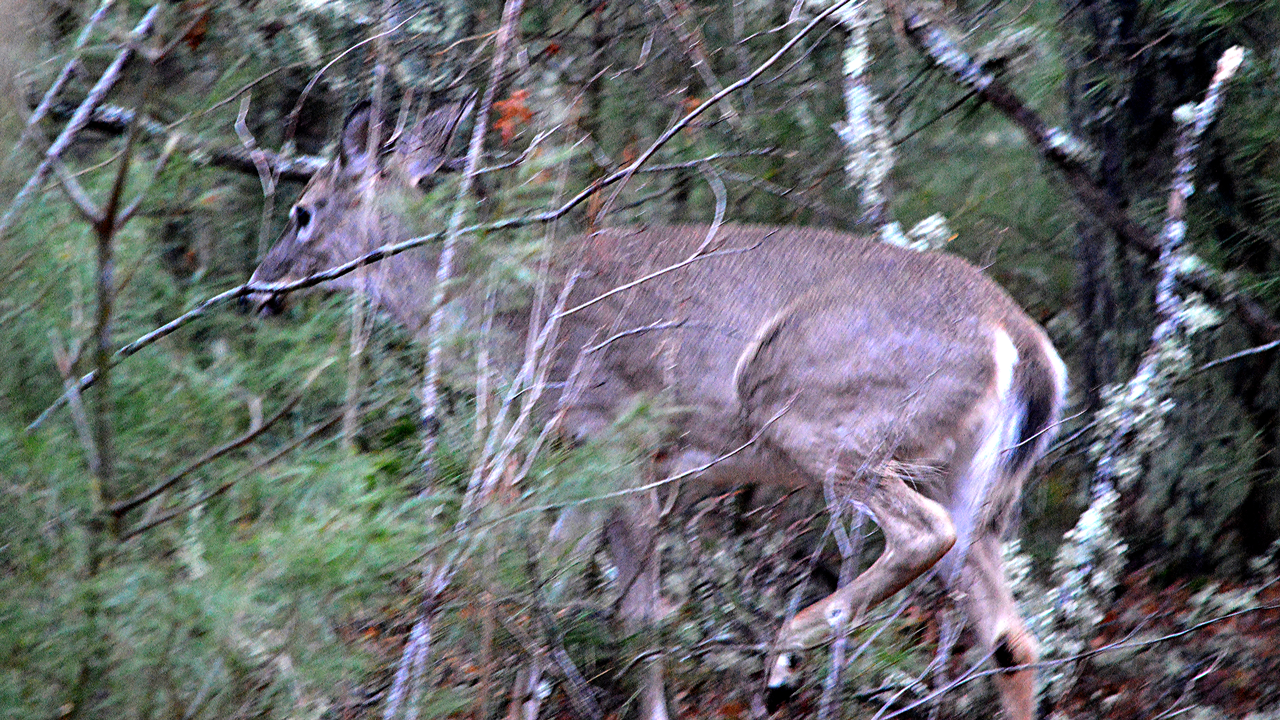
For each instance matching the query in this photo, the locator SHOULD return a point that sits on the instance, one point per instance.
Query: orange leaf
(512, 113)
(195, 34)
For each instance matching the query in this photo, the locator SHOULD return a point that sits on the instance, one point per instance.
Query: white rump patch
(1006, 357)
(973, 479)
(1059, 368)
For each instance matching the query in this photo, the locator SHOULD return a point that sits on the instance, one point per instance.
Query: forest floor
(1199, 650)
(1191, 650)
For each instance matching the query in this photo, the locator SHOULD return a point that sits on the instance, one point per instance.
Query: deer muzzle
(263, 303)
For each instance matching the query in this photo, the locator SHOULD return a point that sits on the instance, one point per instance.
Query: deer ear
(424, 150)
(353, 151)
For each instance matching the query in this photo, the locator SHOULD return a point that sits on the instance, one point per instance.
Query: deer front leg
(917, 533)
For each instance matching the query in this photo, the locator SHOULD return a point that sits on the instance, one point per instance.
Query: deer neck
(401, 286)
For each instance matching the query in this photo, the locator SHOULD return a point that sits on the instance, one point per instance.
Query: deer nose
(262, 304)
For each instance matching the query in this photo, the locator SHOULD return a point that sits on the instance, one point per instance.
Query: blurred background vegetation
(278, 579)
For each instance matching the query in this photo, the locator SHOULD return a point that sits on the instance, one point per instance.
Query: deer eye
(302, 221)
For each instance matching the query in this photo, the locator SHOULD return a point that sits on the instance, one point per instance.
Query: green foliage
(282, 582)
(248, 596)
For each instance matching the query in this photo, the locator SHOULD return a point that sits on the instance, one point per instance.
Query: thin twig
(580, 695)
(89, 211)
(65, 359)
(132, 208)
(291, 120)
(265, 175)
(253, 433)
(697, 255)
(1239, 355)
(1126, 643)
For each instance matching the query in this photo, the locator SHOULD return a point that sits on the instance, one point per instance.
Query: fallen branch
(116, 120)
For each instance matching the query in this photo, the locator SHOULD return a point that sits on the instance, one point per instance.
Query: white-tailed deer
(908, 382)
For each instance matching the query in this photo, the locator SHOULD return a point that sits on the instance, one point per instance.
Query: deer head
(357, 202)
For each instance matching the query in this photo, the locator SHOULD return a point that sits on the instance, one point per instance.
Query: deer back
(736, 325)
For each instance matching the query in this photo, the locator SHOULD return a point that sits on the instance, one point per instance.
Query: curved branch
(116, 120)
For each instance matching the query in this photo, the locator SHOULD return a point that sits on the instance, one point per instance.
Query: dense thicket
(277, 578)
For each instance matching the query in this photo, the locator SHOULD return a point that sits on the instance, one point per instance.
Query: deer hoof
(1004, 654)
(781, 687)
(776, 697)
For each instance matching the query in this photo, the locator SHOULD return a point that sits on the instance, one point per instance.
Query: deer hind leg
(917, 533)
(994, 616)
(632, 536)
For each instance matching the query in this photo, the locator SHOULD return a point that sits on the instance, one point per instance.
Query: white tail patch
(1006, 357)
(1060, 393)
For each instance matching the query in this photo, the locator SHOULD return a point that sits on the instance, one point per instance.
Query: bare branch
(80, 118)
(1059, 149)
(64, 75)
(65, 359)
(114, 119)
(1239, 355)
(89, 211)
(132, 208)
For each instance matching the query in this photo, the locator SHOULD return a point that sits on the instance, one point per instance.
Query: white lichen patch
(1198, 315)
(1086, 573)
(931, 233)
(1069, 145)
